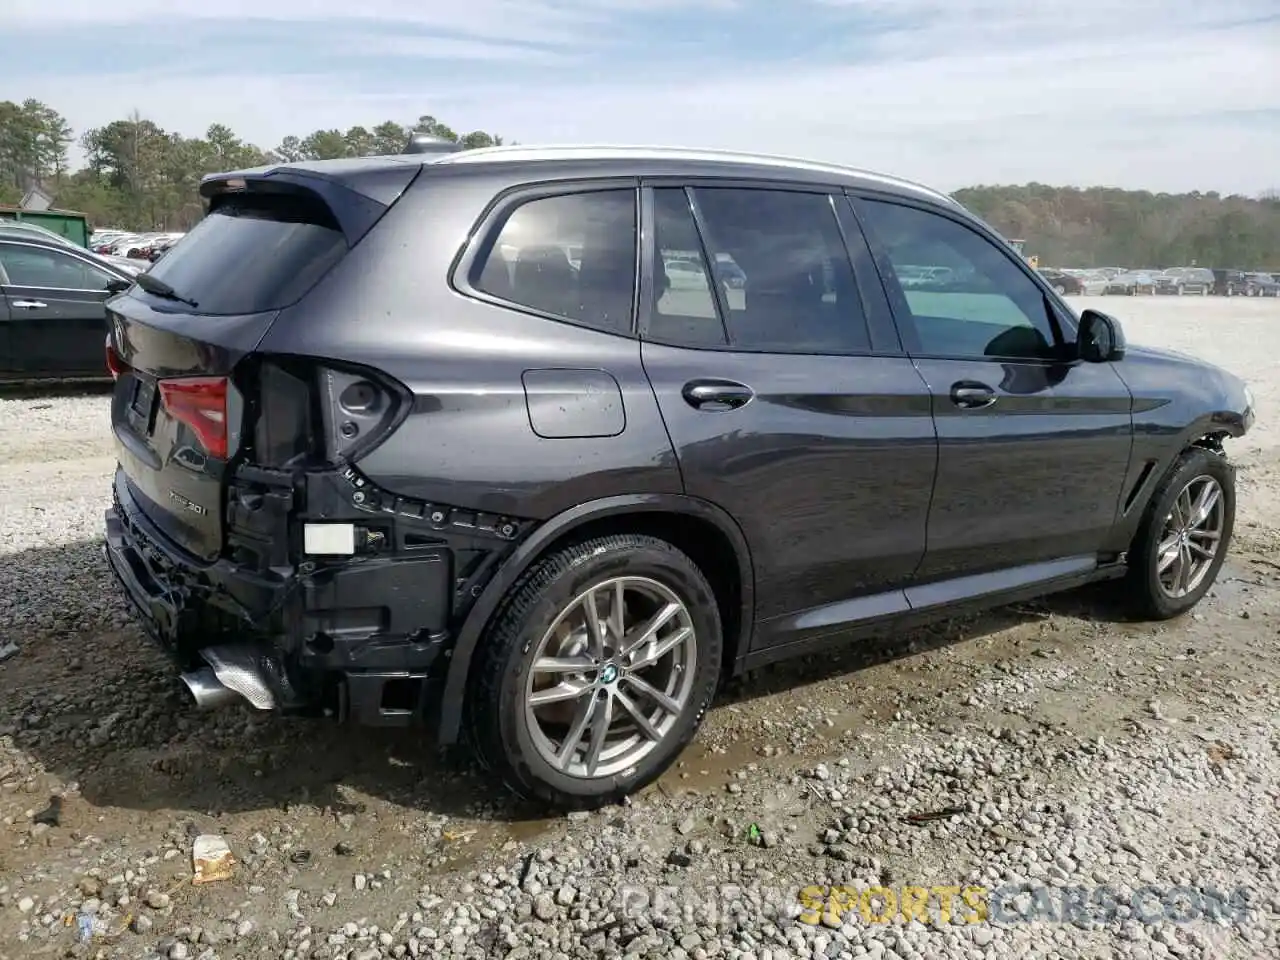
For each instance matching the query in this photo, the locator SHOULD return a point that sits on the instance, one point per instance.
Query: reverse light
(115, 363)
(201, 404)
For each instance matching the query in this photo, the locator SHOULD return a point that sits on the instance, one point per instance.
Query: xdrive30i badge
(186, 504)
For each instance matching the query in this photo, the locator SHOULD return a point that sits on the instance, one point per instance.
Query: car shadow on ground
(92, 701)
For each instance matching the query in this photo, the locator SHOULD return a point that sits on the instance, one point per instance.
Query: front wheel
(1183, 540)
(597, 671)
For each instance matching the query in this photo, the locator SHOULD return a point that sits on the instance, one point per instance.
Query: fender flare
(455, 686)
(1234, 423)
(1219, 422)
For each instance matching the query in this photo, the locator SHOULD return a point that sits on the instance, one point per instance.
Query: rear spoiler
(357, 198)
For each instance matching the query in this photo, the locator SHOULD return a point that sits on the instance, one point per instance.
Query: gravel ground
(1045, 781)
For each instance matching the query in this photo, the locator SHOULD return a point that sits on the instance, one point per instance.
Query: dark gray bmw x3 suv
(538, 445)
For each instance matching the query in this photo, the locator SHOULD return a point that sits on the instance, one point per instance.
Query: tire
(519, 746)
(1060, 290)
(1149, 596)
(1180, 291)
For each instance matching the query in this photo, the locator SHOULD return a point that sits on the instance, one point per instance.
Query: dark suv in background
(540, 444)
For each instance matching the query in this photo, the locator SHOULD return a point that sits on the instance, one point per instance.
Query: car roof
(35, 240)
(619, 160)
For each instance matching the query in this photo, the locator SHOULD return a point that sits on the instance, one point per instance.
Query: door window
(684, 308)
(966, 296)
(571, 256)
(28, 266)
(782, 271)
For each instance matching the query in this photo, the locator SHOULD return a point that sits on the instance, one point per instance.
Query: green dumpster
(65, 223)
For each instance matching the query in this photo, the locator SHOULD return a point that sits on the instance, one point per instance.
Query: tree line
(1103, 226)
(137, 175)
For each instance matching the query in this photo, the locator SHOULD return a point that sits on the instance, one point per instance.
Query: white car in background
(1093, 281)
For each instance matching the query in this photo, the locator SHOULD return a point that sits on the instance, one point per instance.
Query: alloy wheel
(610, 677)
(1191, 537)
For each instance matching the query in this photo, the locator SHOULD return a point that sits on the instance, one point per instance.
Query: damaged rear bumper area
(363, 636)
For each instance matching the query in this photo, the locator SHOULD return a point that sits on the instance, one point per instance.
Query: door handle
(716, 394)
(971, 395)
(28, 304)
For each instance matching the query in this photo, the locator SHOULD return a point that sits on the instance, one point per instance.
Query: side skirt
(922, 605)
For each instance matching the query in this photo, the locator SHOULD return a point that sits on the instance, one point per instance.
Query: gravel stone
(1053, 746)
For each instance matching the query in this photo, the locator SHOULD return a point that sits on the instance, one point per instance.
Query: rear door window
(570, 256)
(782, 271)
(253, 253)
(684, 309)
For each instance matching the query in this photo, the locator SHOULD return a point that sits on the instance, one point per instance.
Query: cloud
(1164, 94)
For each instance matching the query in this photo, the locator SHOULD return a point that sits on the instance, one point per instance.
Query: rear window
(253, 253)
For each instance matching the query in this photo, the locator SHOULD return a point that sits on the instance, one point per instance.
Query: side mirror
(1100, 338)
(116, 285)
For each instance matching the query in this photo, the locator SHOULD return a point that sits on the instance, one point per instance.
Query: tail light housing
(201, 404)
(115, 363)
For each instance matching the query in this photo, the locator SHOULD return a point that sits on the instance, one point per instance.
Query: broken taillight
(201, 404)
(115, 363)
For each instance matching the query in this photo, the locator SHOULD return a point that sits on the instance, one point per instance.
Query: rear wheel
(1183, 540)
(1060, 289)
(597, 671)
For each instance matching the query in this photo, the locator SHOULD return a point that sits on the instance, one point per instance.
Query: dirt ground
(89, 712)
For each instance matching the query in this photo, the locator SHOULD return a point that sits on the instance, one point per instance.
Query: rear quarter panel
(468, 440)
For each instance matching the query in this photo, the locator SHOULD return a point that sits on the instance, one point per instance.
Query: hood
(1161, 353)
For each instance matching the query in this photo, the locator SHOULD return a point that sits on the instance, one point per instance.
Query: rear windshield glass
(252, 254)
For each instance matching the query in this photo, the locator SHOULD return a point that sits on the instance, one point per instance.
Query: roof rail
(516, 152)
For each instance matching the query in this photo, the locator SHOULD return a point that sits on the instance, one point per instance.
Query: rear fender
(535, 546)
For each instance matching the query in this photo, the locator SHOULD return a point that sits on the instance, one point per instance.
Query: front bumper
(357, 638)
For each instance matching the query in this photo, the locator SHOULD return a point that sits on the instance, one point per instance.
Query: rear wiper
(161, 289)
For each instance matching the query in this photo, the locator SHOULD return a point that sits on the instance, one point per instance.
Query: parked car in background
(21, 230)
(162, 246)
(1229, 283)
(1131, 283)
(555, 508)
(1061, 281)
(1094, 282)
(1184, 280)
(105, 241)
(1261, 285)
(52, 319)
(27, 231)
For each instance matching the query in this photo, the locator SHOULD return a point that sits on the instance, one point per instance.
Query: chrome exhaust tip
(208, 692)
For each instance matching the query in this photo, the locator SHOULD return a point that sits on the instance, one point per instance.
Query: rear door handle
(971, 395)
(716, 394)
(28, 304)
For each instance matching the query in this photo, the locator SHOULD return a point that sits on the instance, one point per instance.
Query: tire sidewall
(1194, 464)
(677, 573)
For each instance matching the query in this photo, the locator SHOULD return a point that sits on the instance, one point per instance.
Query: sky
(1158, 94)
